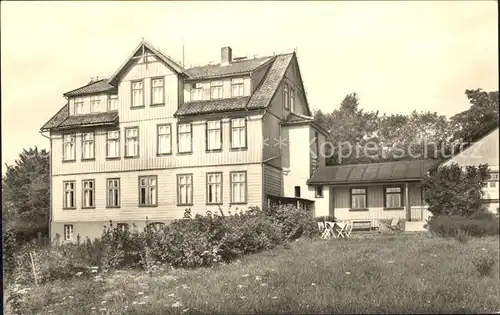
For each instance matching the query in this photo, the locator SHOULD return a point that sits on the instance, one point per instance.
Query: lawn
(381, 274)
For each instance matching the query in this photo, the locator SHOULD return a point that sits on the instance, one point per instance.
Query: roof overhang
(363, 183)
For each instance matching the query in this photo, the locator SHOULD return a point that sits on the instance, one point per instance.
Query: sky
(397, 56)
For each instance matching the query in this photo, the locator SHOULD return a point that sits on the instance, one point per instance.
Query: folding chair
(328, 232)
(339, 229)
(395, 224)
(346, 232)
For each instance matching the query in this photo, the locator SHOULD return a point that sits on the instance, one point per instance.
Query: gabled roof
(386, 172)
(100, 86)
(58, 118)
(234, 68)
(63, 120)
(260, 99)
(163, 57)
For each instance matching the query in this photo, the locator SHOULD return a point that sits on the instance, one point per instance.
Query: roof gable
(93, 87)
(141, 49)
(299, 76)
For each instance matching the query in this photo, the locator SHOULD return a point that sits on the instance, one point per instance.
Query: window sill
(69, 161)
(213, 151)
(365, 209)
(185, 153)
(112, 207)
(74, 208)
(238, 203)
(214, 203)
(397, 208)
(148, 206)
(88, 208)
(318, 197)
(88, 160)
(113, 158)
(157, 105)
(184, 205)
(132, 157)
(163, 154)
(137, 107)
(239, 149)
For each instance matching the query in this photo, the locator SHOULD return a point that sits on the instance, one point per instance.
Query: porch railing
(419, 213)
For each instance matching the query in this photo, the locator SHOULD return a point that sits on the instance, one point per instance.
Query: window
(216, 90)
(69, 147)
(79, 106)
(132, 142)
(147, 191)
(297, 191)
(88, 194)
(69, 195)
(393, 197)
(164, 133)
(292, 100)
(137, 93)
(113, 197)
(237, 87)
(238, 133)
(493, 180)
(214, 188)
(95, 104)
(112, 102)
(197, 92)
(185, 189)
(88, 149)
(318, 191)
(214, 135)
(185, 138)
(238, 187)
(285, 96)
(122, 227)
(157, 91)
(113, 144)
(358, 198)
(68, 232)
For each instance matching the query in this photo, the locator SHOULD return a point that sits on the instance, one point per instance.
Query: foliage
(294, 222)
(456, 226)
(450, 190)
(26, 196)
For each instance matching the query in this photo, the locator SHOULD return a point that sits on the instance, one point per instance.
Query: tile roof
(63, 120)
(236, 67)
(212, 106)
(411, 170)
(100, 86)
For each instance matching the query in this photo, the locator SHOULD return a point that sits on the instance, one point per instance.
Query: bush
(294, 222)
(456, 226)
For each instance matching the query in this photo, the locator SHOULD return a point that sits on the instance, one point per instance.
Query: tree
(26, 194)
(479, 119)
(451, 190)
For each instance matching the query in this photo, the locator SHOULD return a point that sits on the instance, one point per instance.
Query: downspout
(50, 186)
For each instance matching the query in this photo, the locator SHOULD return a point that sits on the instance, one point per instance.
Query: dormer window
(237, 87)
(95, 104)
(197, 92)
(112, 102)
(216, 90)
(78, 106)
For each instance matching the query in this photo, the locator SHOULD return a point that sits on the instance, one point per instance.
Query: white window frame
(88, 145)
(113, 139)
(113, 193)
(184, 189)
(78, 107)
(238, 187)
(237, 87)
(69, 187)
(238, 127)
(286, 95)
(355, 192)
(158, 88)
(213, 135)
(196, 92)
(69, 147)
(214, 188)
(95, 104)
(292, 100)
(68, 232)
(216, 90)
(112, 102)
(132, 140)
(164, 135)
(136, 90)
(184, 135)
(393, 191)
(318, 191)
(150, 185)
(88, 194)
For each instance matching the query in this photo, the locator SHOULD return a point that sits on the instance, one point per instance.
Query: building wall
(166, 209)
(273, 181)
(226, 87)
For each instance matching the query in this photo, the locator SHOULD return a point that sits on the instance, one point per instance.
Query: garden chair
(328, 232)
(321, 226)
(340, 228)
(395, 224)
(346, 233)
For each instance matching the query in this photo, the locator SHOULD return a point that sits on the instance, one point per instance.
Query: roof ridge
(384, 162)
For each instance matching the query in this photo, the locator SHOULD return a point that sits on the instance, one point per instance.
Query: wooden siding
(271, 130)
(226, 87)
(293, 81)
(167, 208)
(148, 144)
(273, 181)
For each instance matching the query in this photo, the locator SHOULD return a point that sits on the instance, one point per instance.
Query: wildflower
(347, 273)
(483, 248)
(134, 303)
(50, 311)
(421, 265)
(103, 302)
(70, 297)
(245, 275)
(390, 261)
(141, 303)
(140, 293)
(183, 311)
(263, 284)
(92, 308)
(274, 297)
(240, 286)
(243, 297)
(94, 271)
(313, 284)
(258, 278)
(177, 304)
(171, 295)
(102, 309)
(79, 273)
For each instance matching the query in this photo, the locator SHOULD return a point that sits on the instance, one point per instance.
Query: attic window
(236, 87)
(197, 92)
(216, 90)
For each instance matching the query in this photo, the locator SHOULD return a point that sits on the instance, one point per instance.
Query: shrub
(294, 222)
(484, 264)
(455, 226)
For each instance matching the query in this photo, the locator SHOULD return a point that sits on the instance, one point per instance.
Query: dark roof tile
(236, 67)
(58, 118)
(101, 86)
(372, 173)
(90, 119)
(212, 106)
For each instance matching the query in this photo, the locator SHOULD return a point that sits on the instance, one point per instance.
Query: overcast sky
(398, 56)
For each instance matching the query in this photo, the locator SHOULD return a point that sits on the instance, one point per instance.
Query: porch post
(407, 202)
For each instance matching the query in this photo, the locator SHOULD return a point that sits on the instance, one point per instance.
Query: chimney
(226, 56)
